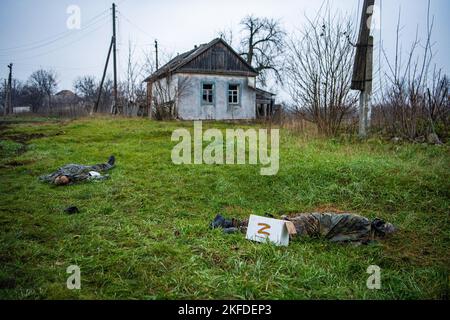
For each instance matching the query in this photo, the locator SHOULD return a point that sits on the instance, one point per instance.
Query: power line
(136, 26)
(54, 38)
(62, 38)
(35, 66)
(163, 44)
(64, 46)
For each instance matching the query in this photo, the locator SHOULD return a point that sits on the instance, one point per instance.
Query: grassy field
(144, 233)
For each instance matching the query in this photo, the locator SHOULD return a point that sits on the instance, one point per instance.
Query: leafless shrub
(165, 94)
(318, 72)
(414, 100)
(133, 95)
(87, 89)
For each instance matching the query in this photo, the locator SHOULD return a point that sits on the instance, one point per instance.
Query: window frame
(213, 93)
(239, 93)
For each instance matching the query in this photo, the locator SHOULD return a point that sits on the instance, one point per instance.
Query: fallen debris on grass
(72, 210)
(74, 173)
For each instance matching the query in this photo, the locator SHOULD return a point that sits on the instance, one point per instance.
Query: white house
(210, 82)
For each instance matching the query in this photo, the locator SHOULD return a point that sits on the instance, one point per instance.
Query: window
(207, 93)
(233, 94)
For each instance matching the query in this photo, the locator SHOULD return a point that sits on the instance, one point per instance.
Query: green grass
(144, 233)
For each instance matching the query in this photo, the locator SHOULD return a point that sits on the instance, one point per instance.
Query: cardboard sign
(263, 229)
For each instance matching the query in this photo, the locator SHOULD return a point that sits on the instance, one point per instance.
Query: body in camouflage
(77, 173)
(334, 227)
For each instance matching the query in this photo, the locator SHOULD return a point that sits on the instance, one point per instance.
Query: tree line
(312, 64)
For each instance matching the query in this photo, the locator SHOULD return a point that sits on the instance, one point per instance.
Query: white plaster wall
(190, 105)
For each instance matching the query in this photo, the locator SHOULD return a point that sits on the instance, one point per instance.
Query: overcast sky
(34, 33)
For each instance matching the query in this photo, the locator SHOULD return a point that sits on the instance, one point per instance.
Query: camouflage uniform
(334, 227)
(78, 173)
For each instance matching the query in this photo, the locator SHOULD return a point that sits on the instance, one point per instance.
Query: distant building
(210, 82)
(62, 100)
(65, 97)
(21, 109)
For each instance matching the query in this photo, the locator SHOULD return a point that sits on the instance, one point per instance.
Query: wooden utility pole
(362, 69)
(150, 84)
(8, 96)
(115, 106)
(103, 78)
(157, 57)
(112, 48)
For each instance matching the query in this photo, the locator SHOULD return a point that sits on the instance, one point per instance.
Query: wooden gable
(219, 59)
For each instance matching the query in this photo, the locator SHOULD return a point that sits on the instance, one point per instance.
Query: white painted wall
(190, 106)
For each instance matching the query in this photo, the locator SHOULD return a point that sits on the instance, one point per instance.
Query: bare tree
(318, 71)
(227, 35)
(106, 99)
(3, 89)
(45, 83)
(263, 45)
(86, 87)
(32, 96)
(134, 89)
(21, 95)
(16, 93)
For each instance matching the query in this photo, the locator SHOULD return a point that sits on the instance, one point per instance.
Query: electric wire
(52, 39)
(61, 47)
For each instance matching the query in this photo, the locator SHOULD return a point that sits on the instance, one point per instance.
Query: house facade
(210, 82)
